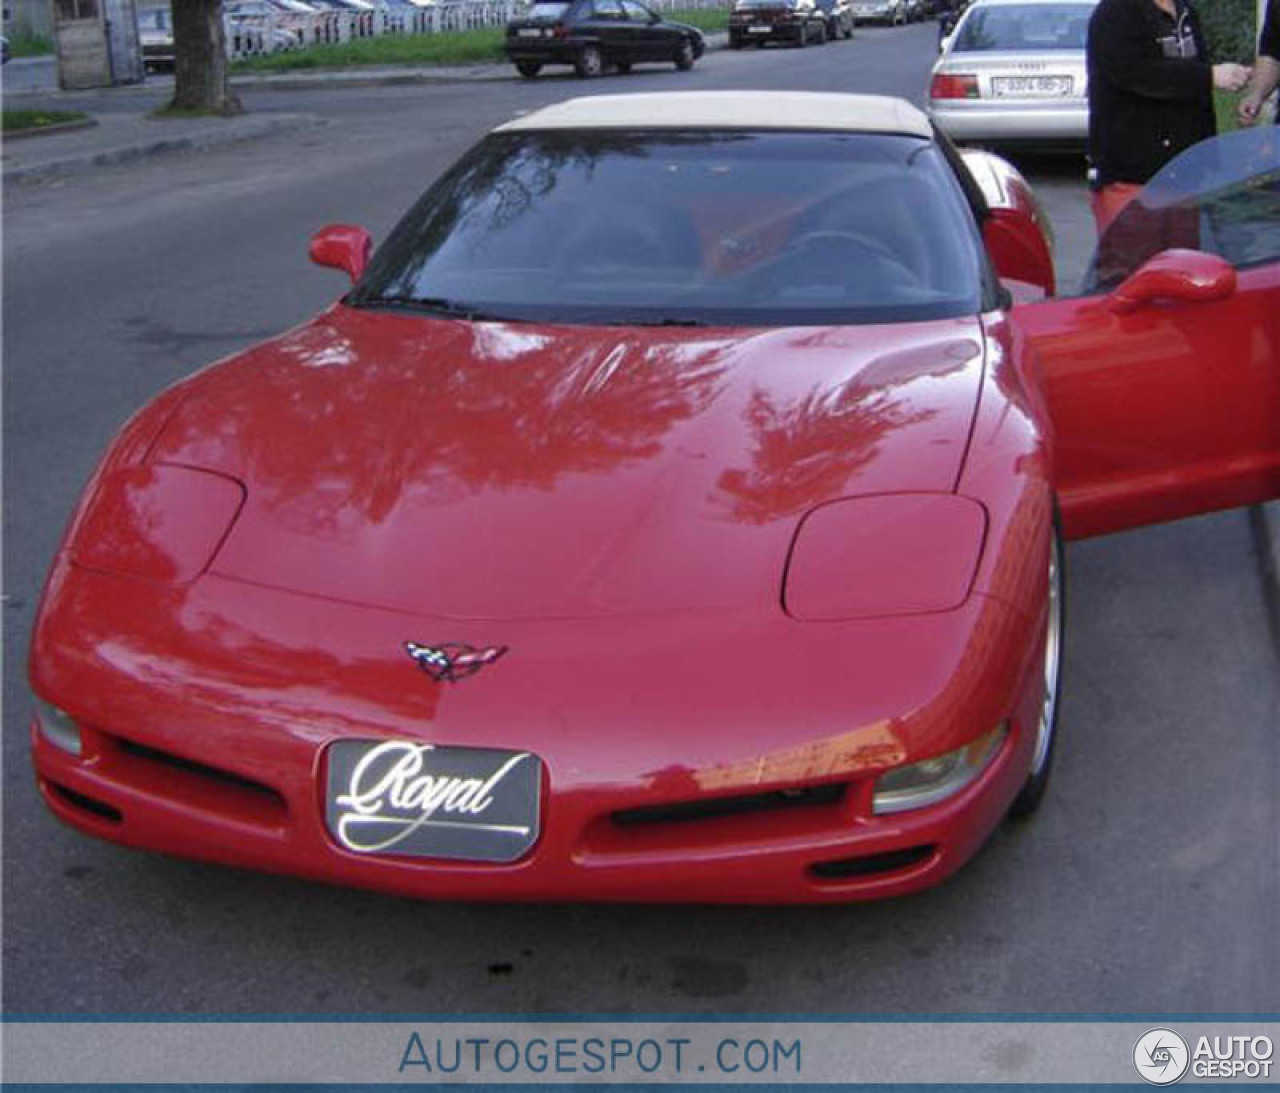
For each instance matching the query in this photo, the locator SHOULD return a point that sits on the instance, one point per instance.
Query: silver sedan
(1014, 70)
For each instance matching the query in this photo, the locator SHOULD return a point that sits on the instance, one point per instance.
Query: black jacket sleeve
(1269, 44)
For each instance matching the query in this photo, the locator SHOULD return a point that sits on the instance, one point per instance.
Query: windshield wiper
(432, 305)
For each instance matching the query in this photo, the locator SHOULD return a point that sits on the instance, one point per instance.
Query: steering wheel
(800, 253)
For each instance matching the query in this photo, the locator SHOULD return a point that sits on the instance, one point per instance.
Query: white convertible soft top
(730, 110)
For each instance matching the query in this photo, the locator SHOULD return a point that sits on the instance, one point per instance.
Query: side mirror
(1018, 249)
(342, 246)
(1190, 276)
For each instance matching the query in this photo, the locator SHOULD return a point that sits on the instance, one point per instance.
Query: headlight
(933, 780)
(162, 523)
(57, 727)
(894, 554)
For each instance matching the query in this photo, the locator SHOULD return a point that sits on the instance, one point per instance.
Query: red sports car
(671, 511)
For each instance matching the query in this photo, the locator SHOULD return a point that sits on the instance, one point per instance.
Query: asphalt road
(1149, 881)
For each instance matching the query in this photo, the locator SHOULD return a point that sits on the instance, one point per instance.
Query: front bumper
(206, 717)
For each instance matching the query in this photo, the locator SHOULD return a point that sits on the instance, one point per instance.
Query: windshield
(729, 228)
(1221, 196)
(1028, 28)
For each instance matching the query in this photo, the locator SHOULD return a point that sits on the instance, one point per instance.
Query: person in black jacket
(1150, 94)
(1266, 72)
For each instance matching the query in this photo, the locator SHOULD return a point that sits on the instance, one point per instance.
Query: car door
(649, 40)
(616, 36)
(1162, 379)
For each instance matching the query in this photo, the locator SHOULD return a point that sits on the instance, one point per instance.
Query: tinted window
(726, 228)
(1031, 27)
(1221, 196)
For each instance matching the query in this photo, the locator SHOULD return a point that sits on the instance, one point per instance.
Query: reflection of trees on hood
(808, 450)
(438, 411)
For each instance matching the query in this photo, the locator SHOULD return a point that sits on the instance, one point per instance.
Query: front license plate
(403, 798)
(529, 32)
(759, 30)
(1045, 87)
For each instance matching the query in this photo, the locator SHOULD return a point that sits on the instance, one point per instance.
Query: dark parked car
(798, 22)
(592, 34)
(839, 17)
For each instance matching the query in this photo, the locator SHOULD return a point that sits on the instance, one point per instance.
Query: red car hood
(490, 470)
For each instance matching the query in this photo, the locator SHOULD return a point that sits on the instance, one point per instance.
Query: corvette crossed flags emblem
(452, 661)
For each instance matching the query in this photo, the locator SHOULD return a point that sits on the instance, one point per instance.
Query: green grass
(30, 45)
(447, 48)
(17, 120)
(1224, 105)
(708, 19)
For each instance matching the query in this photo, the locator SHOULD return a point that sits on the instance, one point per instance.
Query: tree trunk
(200, 59)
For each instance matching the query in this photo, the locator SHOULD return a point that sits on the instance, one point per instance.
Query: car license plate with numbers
(1031, 87)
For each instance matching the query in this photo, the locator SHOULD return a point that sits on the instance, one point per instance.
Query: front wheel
(1033, 790)
(528, 69)
(684, 55)
(589, 63)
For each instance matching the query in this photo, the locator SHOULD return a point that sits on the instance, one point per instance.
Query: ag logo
(1161, 1056)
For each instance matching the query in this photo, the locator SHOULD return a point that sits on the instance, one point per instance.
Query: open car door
(1163, 378)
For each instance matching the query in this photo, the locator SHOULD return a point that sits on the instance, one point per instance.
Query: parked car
(4, 50)
(592, 35)
(1014, 71)
(155, 35)
(794, 22)
(672, 509)
(839, 17)
(269, 25)
(892, 12)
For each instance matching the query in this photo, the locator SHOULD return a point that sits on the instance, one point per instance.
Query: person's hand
(1230, 77)
(1247, 109)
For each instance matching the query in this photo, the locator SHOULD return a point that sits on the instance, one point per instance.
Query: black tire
(588, 64)
(822, 34)
(684, 55)
(1033, 789)
(528, 69)
(735, 41)
(623, 67)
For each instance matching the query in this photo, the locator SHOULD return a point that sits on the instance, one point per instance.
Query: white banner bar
(651, 1051)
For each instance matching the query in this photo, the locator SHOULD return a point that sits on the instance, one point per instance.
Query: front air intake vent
(716, 808)
(871, 864)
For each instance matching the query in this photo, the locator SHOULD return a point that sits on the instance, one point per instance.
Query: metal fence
(250, 33)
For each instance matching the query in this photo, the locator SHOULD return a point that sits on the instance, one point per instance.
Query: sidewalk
(123, 135)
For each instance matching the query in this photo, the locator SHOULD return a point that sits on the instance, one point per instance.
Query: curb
(245, 129)
(49, 130)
